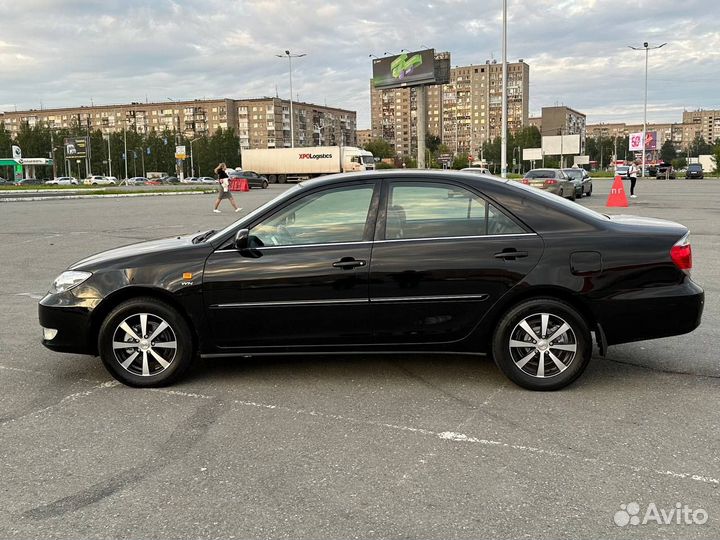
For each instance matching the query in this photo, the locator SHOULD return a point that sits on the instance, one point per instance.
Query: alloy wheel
(144, 344)
(543, 345)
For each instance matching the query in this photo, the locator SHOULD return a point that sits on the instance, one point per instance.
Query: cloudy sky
(77, 52)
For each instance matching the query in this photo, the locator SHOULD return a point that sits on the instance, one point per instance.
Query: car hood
(153, 247)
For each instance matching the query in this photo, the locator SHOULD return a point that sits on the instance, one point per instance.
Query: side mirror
(241, 239)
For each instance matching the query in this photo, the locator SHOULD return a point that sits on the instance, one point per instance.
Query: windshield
(289, 193)
(367, 160)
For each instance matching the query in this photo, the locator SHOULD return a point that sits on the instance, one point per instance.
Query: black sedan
(383, 262)
(581, 180)
(254, 179)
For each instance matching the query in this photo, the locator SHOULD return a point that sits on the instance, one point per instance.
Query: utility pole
(125, 143)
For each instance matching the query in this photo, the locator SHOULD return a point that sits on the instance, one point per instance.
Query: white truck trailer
(282, 165)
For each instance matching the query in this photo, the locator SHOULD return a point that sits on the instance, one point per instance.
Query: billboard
(555, 145)
(636, 141)
(532, 154)
(180, 152)
(75, 147)
(405, 69)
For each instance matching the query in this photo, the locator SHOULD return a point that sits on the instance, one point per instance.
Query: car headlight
(67, 280)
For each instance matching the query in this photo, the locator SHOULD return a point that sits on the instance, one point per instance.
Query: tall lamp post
(192, 163)
(292, 128)
(647, 49)
(503, 131)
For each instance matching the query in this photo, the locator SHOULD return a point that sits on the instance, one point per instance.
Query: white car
(207, 180)
(478, 170)
(99, 181)
(63, 181)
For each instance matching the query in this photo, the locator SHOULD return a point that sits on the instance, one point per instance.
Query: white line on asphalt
(463, 438)
(109, 196)
(23, 370)
(34, 296)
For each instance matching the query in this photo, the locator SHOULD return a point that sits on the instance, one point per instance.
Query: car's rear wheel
(572, 194)
(145, 342)
(542, 344)
(589, 193)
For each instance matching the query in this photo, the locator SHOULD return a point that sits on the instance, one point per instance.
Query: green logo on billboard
(403, 65)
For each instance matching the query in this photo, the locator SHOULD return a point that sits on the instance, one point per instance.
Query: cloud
(117, 51)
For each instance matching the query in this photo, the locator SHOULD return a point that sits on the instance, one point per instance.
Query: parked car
(138, 181)
(169, 180)
(623, 171)
(550, 180)
(254, 179)
(581, 180)
(63, 181)
(478, 170)
(694, 170)
(665, 170)
(4, 182)
(383, 262)
(207, 180)
(189, 180)
(28, 182)
(96, 180)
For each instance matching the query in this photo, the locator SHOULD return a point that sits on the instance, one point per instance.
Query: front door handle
(348, 263)
(511, 254)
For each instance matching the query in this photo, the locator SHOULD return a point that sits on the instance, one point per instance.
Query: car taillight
(681, 253)
(525, 181)
(551, 181)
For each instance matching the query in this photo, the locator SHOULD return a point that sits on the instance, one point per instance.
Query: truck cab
(357, 159)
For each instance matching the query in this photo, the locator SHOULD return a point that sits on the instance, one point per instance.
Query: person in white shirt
(633, 174)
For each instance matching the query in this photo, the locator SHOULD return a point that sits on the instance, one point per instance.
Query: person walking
(633, 174)
(224, 189)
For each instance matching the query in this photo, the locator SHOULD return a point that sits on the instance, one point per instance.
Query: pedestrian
(224, 188)
(633, 174)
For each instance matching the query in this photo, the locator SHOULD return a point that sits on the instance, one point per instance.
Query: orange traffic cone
(244, 186)
(617, 195)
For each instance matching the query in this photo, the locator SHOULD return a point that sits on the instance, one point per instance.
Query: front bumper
(72, 322)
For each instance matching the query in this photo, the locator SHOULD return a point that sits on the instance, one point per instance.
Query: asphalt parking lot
(347, 446)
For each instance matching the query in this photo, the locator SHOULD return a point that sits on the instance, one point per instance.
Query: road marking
(34, 296)
(454, 437)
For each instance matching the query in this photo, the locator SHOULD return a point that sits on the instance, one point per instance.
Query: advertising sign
(555, 145)
(75, 147)
(532, 154)
(405, 69)
(636, 141)
(16, 152)
(180, 152)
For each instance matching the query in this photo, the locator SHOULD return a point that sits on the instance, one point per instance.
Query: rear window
(540, 173)
(695, 167)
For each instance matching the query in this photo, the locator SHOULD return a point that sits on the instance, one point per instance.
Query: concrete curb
(109, 196)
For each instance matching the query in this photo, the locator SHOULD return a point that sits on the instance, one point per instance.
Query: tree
(716, 156)
(380, 148)
(668, 152)
(460, 161)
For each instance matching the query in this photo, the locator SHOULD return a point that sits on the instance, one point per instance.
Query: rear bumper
(72, 324)
(651, 313)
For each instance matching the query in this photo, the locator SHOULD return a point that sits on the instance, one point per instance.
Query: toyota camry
(384, 262)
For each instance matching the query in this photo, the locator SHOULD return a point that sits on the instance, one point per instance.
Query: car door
(304, 279)
(443, 255)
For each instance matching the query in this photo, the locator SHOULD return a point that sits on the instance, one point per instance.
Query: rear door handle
(511, 254)
(348, 263)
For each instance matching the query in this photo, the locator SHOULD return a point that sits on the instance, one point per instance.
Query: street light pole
(503, 144)
(192, 163)
(647, 49)
(292, 121)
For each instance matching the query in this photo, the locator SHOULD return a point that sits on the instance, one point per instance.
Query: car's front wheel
(145, 342)
(264, 184)
(542, 344)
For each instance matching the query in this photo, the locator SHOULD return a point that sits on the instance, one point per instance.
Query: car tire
(282, 179)
(573, 196)
(273, 179)
(264, 184)
(562, 362)
(148, 362)
(589, 193)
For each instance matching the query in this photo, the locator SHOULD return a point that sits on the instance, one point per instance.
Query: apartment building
(364, 136)
(260, 122)
(464, 113)
(703, 123)
(562, 120)
(666, 131)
